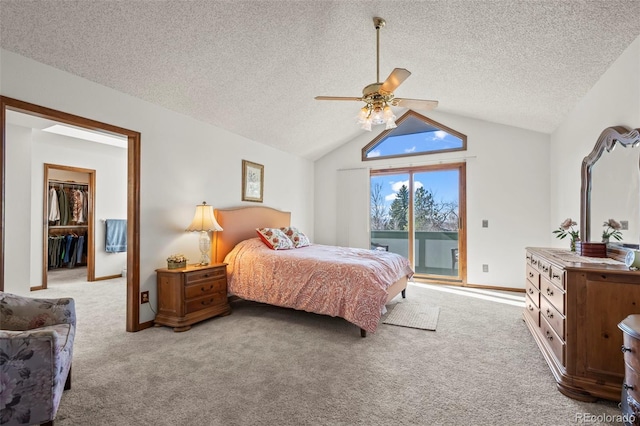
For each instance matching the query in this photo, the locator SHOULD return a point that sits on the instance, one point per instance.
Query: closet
(69, 194)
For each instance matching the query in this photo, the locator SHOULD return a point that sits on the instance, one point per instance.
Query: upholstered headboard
(240, 223)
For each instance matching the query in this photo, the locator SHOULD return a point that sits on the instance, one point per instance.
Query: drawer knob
(627, 387)
(549, 336)
(545, 268)
(625, 349)
(549, 292)
(530, 291)
(549, 314)
(206, 289)
(204, 302)
(555, 276)
(530, 308)
(530, 274)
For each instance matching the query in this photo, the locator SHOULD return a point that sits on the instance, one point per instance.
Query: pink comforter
(337, 281)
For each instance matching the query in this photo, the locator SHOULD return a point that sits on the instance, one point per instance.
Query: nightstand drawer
(209, 274)
(204, 288)
(204, 302)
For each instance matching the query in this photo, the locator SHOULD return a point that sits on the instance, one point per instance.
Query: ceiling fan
(379, 96)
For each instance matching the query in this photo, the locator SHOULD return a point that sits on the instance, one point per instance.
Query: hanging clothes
(54, 209)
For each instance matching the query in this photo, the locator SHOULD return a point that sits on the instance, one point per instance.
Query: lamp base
(205, 246)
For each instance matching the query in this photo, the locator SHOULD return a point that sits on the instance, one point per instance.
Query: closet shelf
(67, 226)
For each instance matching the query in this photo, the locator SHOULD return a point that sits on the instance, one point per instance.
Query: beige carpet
(413, 315)
(264, 365)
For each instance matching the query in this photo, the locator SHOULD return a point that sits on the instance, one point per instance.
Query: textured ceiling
(254, 67)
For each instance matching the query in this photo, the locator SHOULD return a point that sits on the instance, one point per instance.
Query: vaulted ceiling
(254, 67)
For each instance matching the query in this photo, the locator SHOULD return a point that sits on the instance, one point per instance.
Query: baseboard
(144, 325)
(459, 284)
(107, 277)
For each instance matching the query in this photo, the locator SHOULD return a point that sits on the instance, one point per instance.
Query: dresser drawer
(553, 294)
(631, 349)
(554, 341)
(203, 288)
(553, 317)
(209, 274)
(204, 302)
(558, 276)
(632, 382)
(544, 268)
(532, 310)
(533, 292)
(533, 276)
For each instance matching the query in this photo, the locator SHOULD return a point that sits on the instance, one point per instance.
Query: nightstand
(190, 295)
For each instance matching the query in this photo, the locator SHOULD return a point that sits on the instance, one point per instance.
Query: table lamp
(203, 222)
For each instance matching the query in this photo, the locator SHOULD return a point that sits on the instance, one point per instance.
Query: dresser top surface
(571, 260)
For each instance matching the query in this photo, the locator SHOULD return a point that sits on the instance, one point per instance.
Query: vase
(605, 239)
(572, 245)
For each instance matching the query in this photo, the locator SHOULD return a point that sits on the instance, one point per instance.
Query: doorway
(68, 237)
(419, 213)
(133, 192)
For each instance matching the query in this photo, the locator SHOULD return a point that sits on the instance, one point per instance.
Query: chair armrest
(26, 313)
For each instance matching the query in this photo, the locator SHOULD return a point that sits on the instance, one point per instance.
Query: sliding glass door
(419, 213)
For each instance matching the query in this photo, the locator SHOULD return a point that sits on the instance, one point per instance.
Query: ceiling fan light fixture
(378, 97)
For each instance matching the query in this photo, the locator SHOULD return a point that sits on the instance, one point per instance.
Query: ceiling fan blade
(415, 103)
(394, 80)
(336, 98)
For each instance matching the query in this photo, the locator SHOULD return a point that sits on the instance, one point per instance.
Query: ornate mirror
(611, 185)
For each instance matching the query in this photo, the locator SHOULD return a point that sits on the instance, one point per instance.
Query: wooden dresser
(630, 327)
(192, 294)
(573, 307)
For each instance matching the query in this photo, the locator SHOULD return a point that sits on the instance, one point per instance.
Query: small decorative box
(591, 249)
(176, 265)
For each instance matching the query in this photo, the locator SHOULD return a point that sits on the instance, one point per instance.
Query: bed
(353, 284)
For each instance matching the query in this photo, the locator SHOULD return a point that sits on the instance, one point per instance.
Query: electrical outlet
(485, 268)
(485, 223)
(624, 225)
(144, 297)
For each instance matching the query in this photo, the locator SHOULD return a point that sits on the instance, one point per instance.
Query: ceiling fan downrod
(378, 23)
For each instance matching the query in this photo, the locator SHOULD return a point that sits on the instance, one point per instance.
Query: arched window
(415, 135)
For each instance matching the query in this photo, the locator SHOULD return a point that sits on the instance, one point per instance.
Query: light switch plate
(624, 224)
(485, 223)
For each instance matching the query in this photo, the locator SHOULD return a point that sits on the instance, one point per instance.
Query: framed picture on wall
(252, 181)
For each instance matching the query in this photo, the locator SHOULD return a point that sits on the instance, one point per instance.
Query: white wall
(613, 101)
(183, 161)
(507, 184)
(110, 164)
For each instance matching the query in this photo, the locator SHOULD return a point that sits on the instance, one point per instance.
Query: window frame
(410, 113)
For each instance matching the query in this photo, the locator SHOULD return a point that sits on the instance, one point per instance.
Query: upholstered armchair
(36, 348)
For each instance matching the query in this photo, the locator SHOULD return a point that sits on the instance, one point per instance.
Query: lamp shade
(203, 220)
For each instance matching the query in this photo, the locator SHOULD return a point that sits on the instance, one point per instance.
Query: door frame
(133, 192)
(461, 279)
(90, 243)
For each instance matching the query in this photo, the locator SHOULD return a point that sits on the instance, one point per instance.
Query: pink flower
(568, 223)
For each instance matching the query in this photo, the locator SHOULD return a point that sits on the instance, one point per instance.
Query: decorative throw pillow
(274, 238)
(296, 236)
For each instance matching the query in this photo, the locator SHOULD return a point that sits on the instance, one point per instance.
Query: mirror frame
(607, 141)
